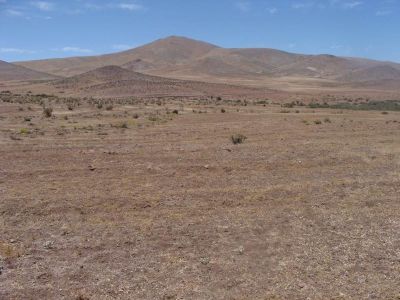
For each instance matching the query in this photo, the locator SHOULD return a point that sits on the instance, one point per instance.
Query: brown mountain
(117, 82)
(9, 72)
(379, 72)
(184, 58)
(172, 51)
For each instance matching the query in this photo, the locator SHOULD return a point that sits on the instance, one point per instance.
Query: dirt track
(170, 209)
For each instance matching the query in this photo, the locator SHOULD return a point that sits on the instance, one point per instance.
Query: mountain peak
(181, 40)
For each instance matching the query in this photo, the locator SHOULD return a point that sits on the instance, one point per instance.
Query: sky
(31, 29)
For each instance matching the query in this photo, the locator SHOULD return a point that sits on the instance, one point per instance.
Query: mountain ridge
(181, 57)
(12, 72)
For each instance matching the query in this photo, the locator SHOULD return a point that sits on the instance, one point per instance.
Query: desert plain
(123, 185)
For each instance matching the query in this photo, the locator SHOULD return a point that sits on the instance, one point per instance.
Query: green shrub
(24, 131)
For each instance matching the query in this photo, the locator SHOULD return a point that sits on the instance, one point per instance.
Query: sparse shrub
(109, 107)
(284, 111)
(27, 119)
(24, 131)
(99, 105)
(153, 118)
(385, 113)
(288, 105)
(317, 122)
(136, 116)
(70, 107)
(175, 111)
(327, 120)
(65, 117)
(238, 139)
(223, 110)
(47, 112)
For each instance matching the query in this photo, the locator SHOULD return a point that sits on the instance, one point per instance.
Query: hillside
(10, 72)
(173, 51)
(180, 57)
(115, 81)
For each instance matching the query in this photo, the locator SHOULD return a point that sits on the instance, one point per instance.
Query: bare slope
(110, 81)
(161, 53)
(379, 72)
(10, 72)
(179, 57)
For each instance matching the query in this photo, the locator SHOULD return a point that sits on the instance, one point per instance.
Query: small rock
(206, 166)
(205, 260)
(48, 245)
(240, 250)
(91, 168)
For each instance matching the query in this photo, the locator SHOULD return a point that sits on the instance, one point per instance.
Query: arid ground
(152, 200)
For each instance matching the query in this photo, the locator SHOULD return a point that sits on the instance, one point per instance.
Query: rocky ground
(135, 201)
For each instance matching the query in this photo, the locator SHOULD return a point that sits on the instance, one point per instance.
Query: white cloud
(301, 5)
(14, 13)
(122, 47)
(272, 11)
(381, 13)
(243, 6)
(344, 4)
(130, 6)
(74, 49)
(43, 5)
(16, 51)
(353, 4)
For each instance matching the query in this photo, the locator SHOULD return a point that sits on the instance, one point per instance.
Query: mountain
(172, 51)
(10, 72)
(117, 82)
(379, 72)
(179, 57)
(101, 75)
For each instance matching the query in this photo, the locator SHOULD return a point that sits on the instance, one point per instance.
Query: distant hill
(179, 57)
(9, 72)
(117, 82)
(162, 53)
(379, 72)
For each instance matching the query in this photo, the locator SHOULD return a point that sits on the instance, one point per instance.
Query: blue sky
(42, 29)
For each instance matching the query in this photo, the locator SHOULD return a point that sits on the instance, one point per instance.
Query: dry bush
(47, 112)
(238, 139)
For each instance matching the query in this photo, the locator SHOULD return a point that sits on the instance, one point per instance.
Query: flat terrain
(138, 202)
